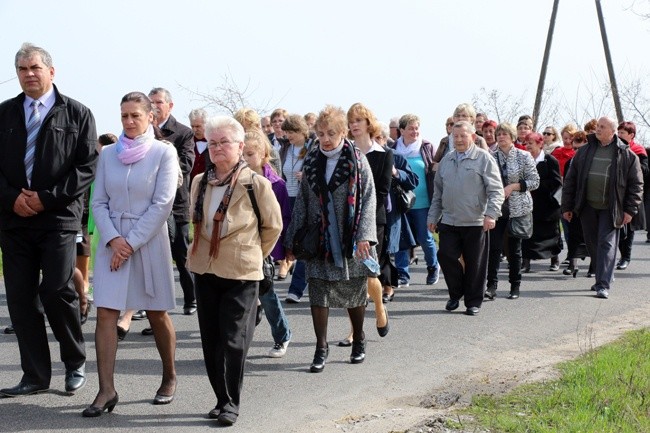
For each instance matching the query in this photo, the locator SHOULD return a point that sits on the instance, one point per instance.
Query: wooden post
(542, 74)
(610, 67)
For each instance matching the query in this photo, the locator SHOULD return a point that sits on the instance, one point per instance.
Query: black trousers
(26, 254)
(179, 245)
(226, 310)
(497, 236)
(466, 280)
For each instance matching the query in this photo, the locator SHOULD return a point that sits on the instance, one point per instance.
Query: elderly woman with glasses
(226, 257)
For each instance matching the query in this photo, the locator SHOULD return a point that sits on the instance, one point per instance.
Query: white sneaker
(279, 350)
(292, 299)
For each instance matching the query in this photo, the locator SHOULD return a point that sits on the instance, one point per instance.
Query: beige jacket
(242, 246)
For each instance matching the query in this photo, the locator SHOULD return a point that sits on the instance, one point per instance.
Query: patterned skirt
(338, 294)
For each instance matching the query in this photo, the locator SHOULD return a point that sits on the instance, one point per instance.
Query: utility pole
(610, 67)
(542, 74)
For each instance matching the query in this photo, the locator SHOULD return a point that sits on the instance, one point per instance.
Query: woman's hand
(298, 175)
(121, 252)
(288, 254)
(510, 188)
(363, 249)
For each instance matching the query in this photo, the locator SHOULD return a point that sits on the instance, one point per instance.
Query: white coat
(134, 201)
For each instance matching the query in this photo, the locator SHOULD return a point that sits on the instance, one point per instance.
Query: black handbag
(268, 268)
(306, 242)
(405, 199)
(521, 227)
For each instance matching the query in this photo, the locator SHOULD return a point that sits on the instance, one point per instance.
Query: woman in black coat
(545, 242)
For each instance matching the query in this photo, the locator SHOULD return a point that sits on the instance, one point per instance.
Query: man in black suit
(47, 143)
(183, 139)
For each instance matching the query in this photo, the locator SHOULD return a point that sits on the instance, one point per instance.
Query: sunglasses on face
(547, 133)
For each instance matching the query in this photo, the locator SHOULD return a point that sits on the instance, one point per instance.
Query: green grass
(605, 390)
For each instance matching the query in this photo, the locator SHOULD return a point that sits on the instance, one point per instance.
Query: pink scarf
(130, 150)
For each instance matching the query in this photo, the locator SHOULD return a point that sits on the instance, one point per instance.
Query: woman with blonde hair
(363, 126)
(257, 151)
(336, 193)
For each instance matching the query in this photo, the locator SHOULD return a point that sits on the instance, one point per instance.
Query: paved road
(424, 349)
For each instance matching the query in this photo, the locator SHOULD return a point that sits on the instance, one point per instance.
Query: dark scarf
(346, 171)
(197, 217)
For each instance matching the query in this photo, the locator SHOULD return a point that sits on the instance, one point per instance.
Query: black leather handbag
(306, 241)
(521, 227)
(405, 199)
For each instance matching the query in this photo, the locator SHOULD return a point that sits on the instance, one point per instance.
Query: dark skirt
(545, 242)
(577, 249)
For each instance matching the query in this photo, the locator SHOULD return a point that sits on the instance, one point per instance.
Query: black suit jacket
(183, 139)
(64, 164)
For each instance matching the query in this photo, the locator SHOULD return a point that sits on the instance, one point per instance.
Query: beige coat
(242, 247)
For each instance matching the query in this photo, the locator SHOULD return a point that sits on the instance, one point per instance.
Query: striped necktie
(33, 125)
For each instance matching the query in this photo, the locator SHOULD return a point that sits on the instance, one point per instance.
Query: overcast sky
(423, 57)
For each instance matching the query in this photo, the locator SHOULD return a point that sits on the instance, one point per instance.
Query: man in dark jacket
(47, 163)
(183, 139)
(604, 187)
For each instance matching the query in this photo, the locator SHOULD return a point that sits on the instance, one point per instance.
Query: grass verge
(605, 390)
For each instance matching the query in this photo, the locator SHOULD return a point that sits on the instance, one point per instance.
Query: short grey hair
(166, 94)
(28, 49)
(394, 122)
(469, 127)
(198, 114)
(465, 108)
(225, 122)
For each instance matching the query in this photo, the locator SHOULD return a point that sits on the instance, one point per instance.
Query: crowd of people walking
(337, 201)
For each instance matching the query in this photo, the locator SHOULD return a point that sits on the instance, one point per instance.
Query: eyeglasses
(215, 145)
(393, 127)
(547, 133)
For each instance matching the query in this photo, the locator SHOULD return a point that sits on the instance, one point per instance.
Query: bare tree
(229, 97)
(497, 105)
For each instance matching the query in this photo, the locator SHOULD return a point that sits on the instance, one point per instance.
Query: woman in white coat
(134, 192)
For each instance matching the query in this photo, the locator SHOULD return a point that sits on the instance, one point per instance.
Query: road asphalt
(426, 350)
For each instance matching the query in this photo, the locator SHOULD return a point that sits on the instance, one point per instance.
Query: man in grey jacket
(466, 202)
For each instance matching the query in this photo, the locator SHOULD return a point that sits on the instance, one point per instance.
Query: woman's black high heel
(95, 411)
(121, 333)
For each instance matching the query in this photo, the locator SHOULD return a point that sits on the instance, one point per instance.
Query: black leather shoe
(214, 413)
(491, 292)
(95, 411)
(514, 294)
(189, 310)
(147, 331)
(344, 343)
(590, 274)
(122, 333)
(227, 418)
(10, 330)
(139, 315)
(472, 311)
(358, 354)
(320, 356)
(75, 379)
(622, 264)
(386, 298)
(163, 399)
(383, 330)
(452, 304)
(23, 389)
